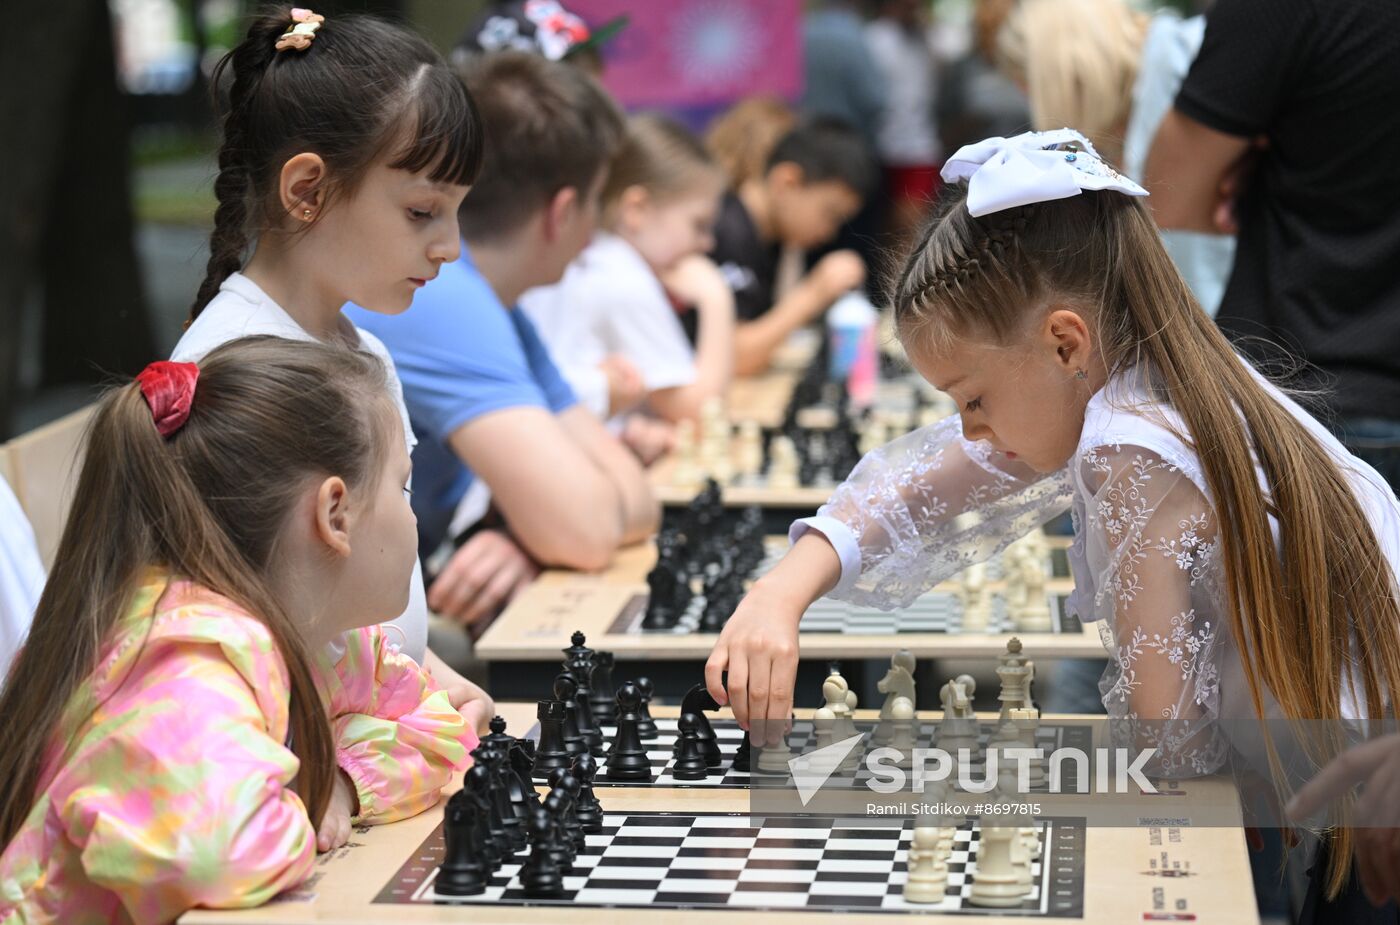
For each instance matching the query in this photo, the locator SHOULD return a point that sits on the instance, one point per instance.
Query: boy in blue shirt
(486, 401)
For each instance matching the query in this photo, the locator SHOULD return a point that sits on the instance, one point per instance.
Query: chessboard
(738, 862)
(728, 735)
(1179, 865)
(611, 606)
(942, 610)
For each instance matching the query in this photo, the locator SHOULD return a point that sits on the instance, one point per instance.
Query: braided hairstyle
(1295, 607)
(363, 91)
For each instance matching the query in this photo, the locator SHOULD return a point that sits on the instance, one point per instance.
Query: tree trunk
(65, 210)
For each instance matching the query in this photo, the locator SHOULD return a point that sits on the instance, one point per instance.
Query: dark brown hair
(828, 150)
(208, 504)
(364, 90)
(548, 126)
(1293, 609)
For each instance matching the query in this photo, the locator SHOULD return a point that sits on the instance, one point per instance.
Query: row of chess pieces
(1025, 571)
(712, 553)
(498, 812)
(1009, 839)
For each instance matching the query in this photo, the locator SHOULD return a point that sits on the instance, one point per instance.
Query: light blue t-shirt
(460, 353)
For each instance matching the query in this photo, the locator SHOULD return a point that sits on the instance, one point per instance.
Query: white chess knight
(958, 729)
(928, 867)
(898, 681)
(782, 462)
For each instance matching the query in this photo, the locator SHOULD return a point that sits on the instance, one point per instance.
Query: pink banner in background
(699, 52)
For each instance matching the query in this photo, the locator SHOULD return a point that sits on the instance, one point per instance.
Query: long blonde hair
(1078, 60)
(207, 504)
(1294, 609)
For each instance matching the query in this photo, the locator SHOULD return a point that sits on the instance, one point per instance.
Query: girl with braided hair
(348, 146)
(1239, 561)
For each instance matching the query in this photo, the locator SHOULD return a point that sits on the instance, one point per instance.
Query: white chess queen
(1206, 504)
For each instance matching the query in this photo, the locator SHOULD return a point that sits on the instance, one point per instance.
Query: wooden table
(1189, 868)
(539, 622)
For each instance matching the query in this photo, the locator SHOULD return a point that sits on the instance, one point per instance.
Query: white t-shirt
(242, 309)
(21, 576)
(906, 137)
(610, 302)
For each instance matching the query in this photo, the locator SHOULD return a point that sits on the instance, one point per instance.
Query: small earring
(306, 214)
(1080, 374)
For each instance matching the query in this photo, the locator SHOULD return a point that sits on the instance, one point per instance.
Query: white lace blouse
(1145, 555)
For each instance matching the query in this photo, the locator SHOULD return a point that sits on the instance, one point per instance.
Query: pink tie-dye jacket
(174, 791)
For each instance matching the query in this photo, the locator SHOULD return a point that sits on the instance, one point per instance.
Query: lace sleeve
(922, 508)
(1153, 548)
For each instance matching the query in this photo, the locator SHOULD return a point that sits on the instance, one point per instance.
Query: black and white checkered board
(934, 612)
(1049, 737)
(746, 863)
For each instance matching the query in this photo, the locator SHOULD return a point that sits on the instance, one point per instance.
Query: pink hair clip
(302, 30)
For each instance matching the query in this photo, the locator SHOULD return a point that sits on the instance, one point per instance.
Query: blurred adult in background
(841, 79)
(907, 141)
(1286, 128)
(1110, 70)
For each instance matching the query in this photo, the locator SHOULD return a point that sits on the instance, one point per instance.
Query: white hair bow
(1003, 173)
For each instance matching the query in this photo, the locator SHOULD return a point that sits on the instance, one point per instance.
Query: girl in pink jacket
(205, 697)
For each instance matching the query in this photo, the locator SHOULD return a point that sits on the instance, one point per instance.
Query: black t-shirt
(1318, 264)
(748, 263)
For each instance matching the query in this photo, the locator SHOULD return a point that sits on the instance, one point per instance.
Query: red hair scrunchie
(169, 391)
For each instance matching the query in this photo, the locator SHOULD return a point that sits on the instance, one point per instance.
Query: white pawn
(750, 450)
(928, 872)
(1027, 723)
(996, 881)
(782, 463)
(903, 725)
(976, 599)
(774, 759)
(687, 474)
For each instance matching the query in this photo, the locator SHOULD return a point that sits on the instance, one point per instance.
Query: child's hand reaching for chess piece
(758, 647)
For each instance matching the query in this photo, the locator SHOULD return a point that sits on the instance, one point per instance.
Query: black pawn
(627, 759)
(541, 877)
(743, 757)
(647, 727)
(566, 781)
(587, 810)
(561, 845)
(566, 690)
(551, 753)
(690, 763)
(480, 784)
(462, 872)
(602, 704)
